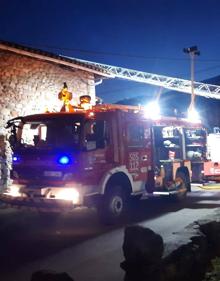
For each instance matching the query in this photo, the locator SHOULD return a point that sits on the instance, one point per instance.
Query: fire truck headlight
(68, 194)
(152, 110)
(13, 191)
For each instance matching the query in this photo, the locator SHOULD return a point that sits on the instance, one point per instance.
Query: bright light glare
(91, 114)
(193, 116)
(68, 194)
(152, 110)
(86, 106)
(13, 191)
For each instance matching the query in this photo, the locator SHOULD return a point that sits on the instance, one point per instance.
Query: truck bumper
(42, 204)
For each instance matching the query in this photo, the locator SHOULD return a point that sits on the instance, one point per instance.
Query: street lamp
(192, 51)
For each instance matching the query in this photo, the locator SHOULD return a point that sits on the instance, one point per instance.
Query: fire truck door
(138, 150)
(97, 148)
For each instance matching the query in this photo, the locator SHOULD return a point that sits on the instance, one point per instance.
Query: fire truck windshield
(51, 133)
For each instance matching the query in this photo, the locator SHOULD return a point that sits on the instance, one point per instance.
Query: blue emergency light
(64, 160)
(15, 158)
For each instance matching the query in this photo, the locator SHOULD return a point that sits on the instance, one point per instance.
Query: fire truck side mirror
(12, 141)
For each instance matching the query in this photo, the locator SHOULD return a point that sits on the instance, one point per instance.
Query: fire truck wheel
(181, 186)
(113, 206)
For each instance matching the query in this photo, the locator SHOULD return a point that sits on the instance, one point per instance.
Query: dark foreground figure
(50, 276)
(143, 250)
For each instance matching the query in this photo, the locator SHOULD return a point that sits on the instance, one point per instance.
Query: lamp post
(192, 51)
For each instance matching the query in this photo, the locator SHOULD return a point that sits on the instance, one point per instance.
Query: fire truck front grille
(30, 173)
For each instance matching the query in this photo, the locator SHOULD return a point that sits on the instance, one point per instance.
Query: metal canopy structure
(171, 83)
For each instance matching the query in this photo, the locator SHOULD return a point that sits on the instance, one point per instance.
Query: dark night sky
(147, 35)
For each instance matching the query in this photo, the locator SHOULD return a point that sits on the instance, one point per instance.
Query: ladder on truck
(171, 83)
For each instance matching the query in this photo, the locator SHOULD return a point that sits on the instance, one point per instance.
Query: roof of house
(47, 56)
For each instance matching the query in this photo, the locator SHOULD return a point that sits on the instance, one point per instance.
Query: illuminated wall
(29, 85)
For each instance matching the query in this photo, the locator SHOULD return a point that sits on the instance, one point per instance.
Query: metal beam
(171, 83)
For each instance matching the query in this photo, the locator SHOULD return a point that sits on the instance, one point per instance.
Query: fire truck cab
(101, 157)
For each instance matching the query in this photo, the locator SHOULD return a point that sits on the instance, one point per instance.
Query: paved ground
(98, 258)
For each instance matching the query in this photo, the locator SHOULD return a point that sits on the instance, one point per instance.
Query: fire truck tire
(114, 205)
(181, 183)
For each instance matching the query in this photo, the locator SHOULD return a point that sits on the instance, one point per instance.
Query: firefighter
(66, 97)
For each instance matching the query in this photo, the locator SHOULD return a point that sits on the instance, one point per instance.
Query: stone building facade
(29, 86)
(30, 81)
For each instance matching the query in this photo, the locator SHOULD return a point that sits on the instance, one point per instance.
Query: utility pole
(192, 51)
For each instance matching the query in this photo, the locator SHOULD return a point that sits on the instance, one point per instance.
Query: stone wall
(29, 85)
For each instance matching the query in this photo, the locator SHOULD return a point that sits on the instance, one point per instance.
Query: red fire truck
(212, 167)
(101, 157)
